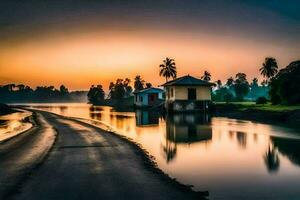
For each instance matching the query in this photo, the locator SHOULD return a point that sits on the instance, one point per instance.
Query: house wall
(181, 92)
(138, 101)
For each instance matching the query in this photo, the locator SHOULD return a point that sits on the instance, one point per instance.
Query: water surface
(232, 159)
(13, 124)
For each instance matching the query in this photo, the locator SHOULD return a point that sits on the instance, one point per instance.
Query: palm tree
(219, 84)
(229, 82)
(206, 76)
(168, 69)
(138, 83)
(269, 67)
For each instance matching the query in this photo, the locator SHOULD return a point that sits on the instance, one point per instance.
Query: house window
(141, 99)
(191, 93)
(168, 93)
(172, 92)
(136, 98)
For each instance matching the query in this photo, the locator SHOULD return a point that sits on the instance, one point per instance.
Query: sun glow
(86, 58)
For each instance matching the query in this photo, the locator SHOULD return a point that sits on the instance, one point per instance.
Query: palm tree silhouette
(168, 69)
(206, 76)
(269, 67)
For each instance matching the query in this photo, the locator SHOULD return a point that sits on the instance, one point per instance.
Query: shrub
(261, 100)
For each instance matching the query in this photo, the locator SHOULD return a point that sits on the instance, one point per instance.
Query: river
(232, 159)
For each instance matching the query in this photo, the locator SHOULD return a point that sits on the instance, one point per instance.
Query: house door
(192, 94)
(152, 98)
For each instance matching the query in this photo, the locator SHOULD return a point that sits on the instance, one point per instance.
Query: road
(78, 161)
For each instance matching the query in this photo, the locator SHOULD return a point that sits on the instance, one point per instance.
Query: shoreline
(287, 118)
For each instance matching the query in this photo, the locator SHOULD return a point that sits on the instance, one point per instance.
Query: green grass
(266, 107)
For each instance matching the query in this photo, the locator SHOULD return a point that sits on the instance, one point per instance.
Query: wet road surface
(85, 162)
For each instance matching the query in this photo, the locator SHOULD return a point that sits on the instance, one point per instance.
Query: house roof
(149, 90)
(188, 81)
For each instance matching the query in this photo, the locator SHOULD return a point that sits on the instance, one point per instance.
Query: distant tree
(96, 95)
(138, 83)
(148, 85)
(63, 90)
(254, 83)
(168, 69)
(12, 93)
(284, 87)
(254, 89)
(119, 90)
(20, 87)
(206, 76)
(219, 84)
(241, 86)
(229, 82)
(127, 87)
(269, 67)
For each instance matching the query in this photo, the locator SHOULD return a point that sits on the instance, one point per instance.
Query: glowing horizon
(85, 52)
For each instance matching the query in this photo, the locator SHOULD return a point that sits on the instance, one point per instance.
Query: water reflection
(95, 112)
(188, 128)
(272, 159)
(242, 139)
(146, 118)
(233, 159)
(185, 129)
(289, 148)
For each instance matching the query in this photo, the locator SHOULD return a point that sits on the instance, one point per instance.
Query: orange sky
(79, 60)
(82, 46)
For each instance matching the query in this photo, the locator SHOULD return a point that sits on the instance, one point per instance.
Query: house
(148, 97)
(188, 93)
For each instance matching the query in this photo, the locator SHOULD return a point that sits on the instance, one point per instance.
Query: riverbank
(279, 114)
(5, 109)
(89, 162)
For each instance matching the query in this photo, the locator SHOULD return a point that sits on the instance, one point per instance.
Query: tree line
(119, 91)
(13, 93)
(278, 86)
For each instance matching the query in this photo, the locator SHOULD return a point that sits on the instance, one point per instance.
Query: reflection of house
(187, 93)
(188, 128)
(148, 97)
(144, 117)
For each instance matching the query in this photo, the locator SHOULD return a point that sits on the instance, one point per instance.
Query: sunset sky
(80, 43)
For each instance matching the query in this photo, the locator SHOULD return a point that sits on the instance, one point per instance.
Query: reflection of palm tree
(242, 139)
(271, 159)
(168, 69)
(170, 150)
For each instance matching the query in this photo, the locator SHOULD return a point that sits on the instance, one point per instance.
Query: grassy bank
(267, 113)
(266, 107)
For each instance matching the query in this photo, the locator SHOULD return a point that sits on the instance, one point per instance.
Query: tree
(206, 76)
(241, 86)
(229, 82)
(168, 69)
(63, 90)
(138, 83)
(219, 84)
(254, 88)
(148, 85)
(284, 87)
(96, 95)
(269, 67)
(128, 88)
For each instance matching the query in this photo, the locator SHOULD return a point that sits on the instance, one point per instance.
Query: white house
(187, 93)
